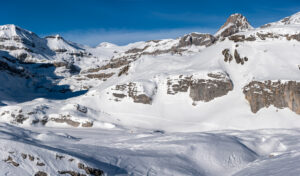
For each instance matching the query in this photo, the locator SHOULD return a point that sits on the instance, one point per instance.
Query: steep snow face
(235, 23)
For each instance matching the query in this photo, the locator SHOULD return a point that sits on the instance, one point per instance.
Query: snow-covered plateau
(203, 104)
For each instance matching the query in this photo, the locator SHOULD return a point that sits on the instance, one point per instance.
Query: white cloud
(122, 37)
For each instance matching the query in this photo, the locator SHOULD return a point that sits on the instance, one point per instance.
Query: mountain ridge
(192, 74)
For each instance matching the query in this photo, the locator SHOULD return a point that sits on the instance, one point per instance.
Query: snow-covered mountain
(240, 78)
(256, 70)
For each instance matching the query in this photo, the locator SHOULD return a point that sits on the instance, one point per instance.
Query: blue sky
(122, 21)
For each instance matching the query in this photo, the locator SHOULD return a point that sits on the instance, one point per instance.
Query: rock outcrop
(242, 38)
(279, 94)
(196, 39)
(217, 85)
(69, 121)
(41, 173)
(263, 36)
(100, 76)
(134, 91)
(180, 84)
(90, 170)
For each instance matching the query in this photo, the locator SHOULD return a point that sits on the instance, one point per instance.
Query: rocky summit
(234, 24)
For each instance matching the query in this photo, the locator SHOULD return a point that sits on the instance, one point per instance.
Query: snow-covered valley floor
(143, 152)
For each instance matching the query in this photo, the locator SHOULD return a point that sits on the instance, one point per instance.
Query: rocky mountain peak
(20, 42)
(234, 23)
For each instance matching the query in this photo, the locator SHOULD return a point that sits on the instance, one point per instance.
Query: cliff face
(209, 89)
(134, 91)
(278, 94)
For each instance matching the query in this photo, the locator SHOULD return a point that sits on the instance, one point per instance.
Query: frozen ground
(145, 152)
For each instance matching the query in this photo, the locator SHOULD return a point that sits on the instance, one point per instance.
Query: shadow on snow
(21, 82)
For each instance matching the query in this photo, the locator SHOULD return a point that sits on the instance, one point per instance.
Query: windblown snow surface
(172, 135)
(145, 152)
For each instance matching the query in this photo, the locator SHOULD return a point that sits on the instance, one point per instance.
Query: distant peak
(106, 45)
(10, 30)
(234, 23)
